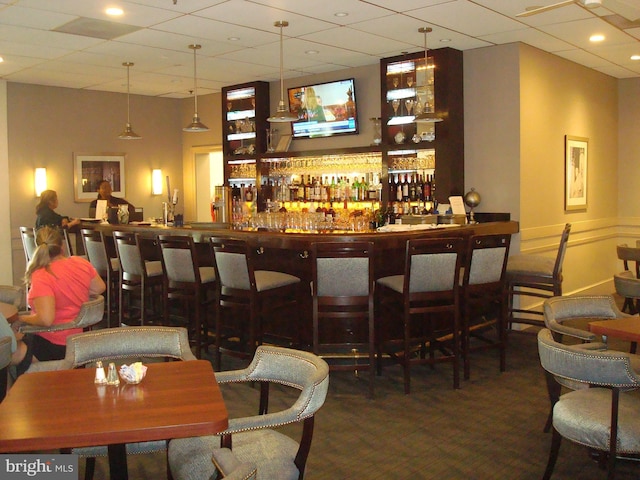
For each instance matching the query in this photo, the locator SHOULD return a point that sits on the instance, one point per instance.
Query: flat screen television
(324, 109)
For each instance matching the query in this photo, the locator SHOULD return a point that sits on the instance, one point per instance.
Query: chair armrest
(230, 467)
(583, 335)
(90, 313)
(49, 366)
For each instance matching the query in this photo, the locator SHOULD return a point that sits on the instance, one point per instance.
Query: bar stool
(535, 276)
(484, 292)
(342, 293)
(257, 293)
(107, 267)
(186, 280)
(28, 237)
(137, 275)
(430, 286)
(627, 282)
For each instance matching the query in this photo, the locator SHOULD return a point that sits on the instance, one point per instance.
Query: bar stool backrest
(487, 259)
(433, 265)
(629, 254)
(96, 250)
(179, 258)
(232, 263)
(28, 237)
(343, 269)
(128, 249)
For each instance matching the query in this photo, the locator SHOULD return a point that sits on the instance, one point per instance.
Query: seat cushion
(154, 268)
(207, 274)
(394, 282)
(530, 265)
(267, 279)
(584, 417)
(272, 452)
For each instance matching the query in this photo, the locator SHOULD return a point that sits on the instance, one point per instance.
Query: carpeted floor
(489, 429)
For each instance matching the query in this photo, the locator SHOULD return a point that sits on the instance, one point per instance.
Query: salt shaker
(112, 375)
(100, 379)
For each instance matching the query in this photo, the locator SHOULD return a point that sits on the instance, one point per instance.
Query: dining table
(626, 328)
(63, 409)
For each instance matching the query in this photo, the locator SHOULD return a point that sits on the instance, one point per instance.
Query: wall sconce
(156, 181)
(40, 180)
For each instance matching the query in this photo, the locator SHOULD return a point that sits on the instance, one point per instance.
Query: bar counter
(289, 251)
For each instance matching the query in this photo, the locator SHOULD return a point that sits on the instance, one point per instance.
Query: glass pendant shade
(282, 115)
(196, 125)
(427, 116)
(128, 133)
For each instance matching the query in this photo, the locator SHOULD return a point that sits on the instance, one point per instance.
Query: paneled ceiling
(75, 44)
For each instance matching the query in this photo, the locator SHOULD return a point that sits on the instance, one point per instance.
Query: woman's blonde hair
(49, 242)
(46, 197)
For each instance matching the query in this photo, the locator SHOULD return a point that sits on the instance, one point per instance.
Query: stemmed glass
(409, 104)
(409, 81)
(395, 82)
(395, 104)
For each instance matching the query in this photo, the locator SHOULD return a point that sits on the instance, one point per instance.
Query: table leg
(118, 462)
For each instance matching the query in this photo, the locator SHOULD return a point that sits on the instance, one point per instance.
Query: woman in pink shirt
(59, 287)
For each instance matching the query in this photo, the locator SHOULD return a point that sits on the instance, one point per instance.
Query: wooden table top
(627, 328)
(64, 409)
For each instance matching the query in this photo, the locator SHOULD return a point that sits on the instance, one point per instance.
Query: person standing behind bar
(59, 286)
(104, 193)
(46, 216)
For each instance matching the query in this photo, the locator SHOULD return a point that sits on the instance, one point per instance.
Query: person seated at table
(46, 215)
(59, 286)
(104, 193)
(18, 347)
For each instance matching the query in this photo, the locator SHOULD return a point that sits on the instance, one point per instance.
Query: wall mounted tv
(324, 109)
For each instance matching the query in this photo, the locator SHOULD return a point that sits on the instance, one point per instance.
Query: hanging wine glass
(395, 104)
(409, 82)
(395, 82)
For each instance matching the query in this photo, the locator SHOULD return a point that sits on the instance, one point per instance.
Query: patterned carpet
(489, 429)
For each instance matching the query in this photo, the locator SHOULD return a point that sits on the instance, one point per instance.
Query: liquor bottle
(427, 189)
(398, 188)
(332, 189)
(413, 195)
(355, 190)
(405, 188)
(392, 188)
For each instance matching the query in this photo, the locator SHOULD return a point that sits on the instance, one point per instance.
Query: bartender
(104, 193)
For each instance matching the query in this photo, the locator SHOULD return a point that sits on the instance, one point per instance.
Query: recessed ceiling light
(114, 11)
(341, 14)
(311, 52)
(635, 57)
(598, 37)
(233, 39)
(445, 40)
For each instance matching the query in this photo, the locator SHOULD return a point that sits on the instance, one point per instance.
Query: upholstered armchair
(90, 314)
(605, 417)
(11, 295)
(254, 439)
(559, 311)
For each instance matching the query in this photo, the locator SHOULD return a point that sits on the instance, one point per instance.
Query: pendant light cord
(195, 80)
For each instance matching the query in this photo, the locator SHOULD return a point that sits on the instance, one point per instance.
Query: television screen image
(324, 109)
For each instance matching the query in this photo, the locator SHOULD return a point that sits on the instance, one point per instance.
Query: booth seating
(535, 276)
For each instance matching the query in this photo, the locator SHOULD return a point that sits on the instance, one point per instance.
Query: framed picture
(576, 161)
(91, 168)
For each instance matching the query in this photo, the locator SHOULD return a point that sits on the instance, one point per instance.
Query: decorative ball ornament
(472, 199)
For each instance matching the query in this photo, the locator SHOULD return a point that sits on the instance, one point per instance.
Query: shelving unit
(426, 150)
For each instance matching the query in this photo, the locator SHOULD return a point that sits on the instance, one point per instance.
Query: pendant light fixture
(196, 125)
(282, 115)
(128, 133)
(427, 116)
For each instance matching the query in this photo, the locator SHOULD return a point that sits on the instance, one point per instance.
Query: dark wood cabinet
(245, 109)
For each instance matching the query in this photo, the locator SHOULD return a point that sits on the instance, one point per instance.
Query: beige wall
(629, 155)
(47, 125)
